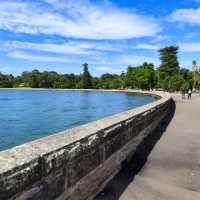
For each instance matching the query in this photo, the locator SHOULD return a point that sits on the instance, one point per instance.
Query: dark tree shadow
(119, 183)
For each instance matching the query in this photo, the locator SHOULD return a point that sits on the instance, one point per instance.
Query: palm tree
(194, 69)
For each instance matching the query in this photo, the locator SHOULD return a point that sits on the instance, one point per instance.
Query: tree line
(168, 76)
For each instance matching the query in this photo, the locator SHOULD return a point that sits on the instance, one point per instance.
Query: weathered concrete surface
(77, 163)
(172, 170)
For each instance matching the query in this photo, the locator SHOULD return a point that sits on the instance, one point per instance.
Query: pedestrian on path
(190, 94)
(183, 93)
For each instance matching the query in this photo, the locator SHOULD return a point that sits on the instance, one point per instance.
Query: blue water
(28, 115)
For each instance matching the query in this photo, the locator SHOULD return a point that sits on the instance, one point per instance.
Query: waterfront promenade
(172, 169)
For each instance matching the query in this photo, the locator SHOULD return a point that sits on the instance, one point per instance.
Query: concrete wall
(77, 163)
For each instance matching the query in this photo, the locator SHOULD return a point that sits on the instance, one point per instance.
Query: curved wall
(77, 163)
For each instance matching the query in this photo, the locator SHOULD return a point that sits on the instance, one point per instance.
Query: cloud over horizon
(75, 20)
(191, 16)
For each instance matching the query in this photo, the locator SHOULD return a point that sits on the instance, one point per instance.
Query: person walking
(183, 94)
(190, 94)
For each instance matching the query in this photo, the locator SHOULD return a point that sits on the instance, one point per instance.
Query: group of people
(189, 94)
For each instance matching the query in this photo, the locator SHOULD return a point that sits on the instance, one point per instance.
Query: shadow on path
(119, 183)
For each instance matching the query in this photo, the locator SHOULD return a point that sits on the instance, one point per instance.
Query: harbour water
(26, 115)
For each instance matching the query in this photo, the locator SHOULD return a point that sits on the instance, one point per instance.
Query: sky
(109, 35)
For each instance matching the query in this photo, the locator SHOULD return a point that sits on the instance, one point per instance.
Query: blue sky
(109, 35)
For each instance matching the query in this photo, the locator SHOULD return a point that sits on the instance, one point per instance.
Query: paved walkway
(172, 171)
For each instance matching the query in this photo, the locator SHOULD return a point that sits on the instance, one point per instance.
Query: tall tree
(6, 81)
(86, 77)
(145, 76)
(169, 61)
(142, 76)
(169, 66)
(194, 69)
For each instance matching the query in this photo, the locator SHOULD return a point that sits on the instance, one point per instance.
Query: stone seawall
(76, 164)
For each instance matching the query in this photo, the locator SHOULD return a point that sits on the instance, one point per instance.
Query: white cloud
(75, 20)
(129, 59)
(190, 47)
(64, 48)
(18, 54)
(191, 16)
(111, 70)
(70, 48)
(147, 46)
(137, 60)
(159, 38)
(99, 50)
(122, 60)
(38, 58)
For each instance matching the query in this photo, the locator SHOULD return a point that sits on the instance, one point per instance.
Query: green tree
(34, 79)
(96, 84)
(186, 74)
(6, 81)
(146, 76)
(86, 77)
(48, 79)
(198, 80)
(142, 76)
(131, 77)
(169, 66)
(110, 81)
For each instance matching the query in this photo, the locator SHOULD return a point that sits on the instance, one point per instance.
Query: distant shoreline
(103, 90)
(142, 92)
